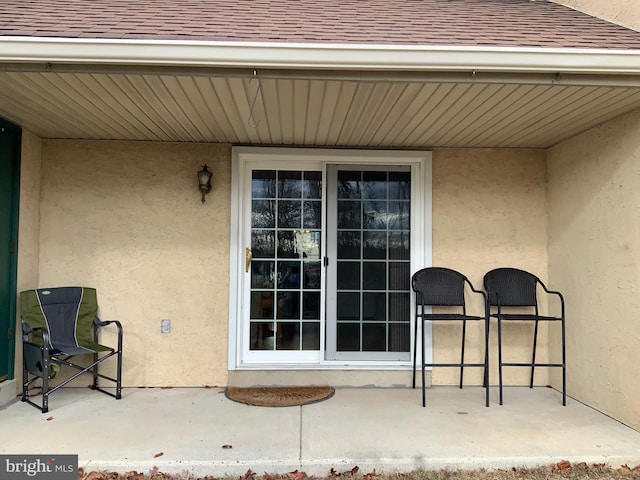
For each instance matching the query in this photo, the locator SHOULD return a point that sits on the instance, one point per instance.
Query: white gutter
(317, 56)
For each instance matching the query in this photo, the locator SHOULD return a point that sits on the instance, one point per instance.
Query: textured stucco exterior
(126, 218)
(594, 258)
(622, 12)
(29, 224)
(489, 211)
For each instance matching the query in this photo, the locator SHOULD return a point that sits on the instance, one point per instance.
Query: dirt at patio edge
(562, 470)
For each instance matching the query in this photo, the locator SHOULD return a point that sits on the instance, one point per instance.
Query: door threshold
(334, 378)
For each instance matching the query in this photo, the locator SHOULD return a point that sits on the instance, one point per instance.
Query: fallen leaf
(296, 475)
(227, 446)
(249, 474)
(133, 475)
(562, 465)
(153, 473)
(49, 419)
(159, 454)
(94, 476)
(624, 469)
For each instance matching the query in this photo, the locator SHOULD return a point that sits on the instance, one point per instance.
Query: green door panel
(10, 137)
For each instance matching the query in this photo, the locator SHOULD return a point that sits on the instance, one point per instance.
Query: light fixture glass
(204, 179)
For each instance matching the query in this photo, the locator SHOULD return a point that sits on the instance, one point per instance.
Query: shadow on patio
(191, 429)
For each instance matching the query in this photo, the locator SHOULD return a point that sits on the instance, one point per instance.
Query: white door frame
(421, 241)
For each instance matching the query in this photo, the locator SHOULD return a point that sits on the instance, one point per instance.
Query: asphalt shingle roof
(508, 23)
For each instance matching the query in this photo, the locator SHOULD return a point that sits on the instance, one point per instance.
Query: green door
(9, 167)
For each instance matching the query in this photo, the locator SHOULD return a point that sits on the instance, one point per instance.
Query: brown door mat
(278, 396)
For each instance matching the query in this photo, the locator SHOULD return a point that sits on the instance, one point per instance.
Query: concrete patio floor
(186, 429)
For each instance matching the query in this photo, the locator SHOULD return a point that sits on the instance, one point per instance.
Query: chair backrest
(439, 286)
(514, 287)
(67, 312)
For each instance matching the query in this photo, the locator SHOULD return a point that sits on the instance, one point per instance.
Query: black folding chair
(517, 291)
(57, 325)
(443, 287)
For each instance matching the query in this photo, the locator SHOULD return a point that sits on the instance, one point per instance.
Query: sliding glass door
(368, 271)
(324, 258)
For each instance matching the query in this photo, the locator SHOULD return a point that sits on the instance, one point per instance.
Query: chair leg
(94, 372)
(424, 395)
(415, 348)
(25, 381)
(46, 372)
(486, 360)
(564, 366)
(119, 375)
(464, 331)
(500, 357)
(533, 357)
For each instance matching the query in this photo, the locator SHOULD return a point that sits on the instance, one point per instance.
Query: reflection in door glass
(373, 264)
(286, 232)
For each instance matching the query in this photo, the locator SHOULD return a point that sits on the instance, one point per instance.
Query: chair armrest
(481, 292)
(26, 330)
(559, 295)
(493, 299)
(484, 297)
(99, 323)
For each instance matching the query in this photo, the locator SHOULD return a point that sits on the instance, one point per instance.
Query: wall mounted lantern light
(204, 179)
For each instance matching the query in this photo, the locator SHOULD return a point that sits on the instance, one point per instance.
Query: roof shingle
(506, 23)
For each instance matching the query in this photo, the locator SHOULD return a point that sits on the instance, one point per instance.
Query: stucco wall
(622, 12)
(126, 218)
(594, 257)
(29, 224)
(489, 211)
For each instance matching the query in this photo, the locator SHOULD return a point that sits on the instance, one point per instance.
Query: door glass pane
(374, 245)
(312, 214)
(374, 275)
(262, 243)
(286, 232)
(263, 214)
(374, 337)
(349, 214)
(311, 336)
(349, 244)
(348, 276)
(373, 261)
(263, 184)
(289, 214)
(348, 337)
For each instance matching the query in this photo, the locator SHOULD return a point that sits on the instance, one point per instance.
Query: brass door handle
(247, 259)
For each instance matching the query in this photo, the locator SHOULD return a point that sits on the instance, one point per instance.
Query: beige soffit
(362, 96)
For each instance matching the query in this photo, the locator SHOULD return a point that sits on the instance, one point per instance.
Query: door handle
(247, 259)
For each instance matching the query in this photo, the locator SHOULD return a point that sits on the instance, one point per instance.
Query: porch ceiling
(357, 109)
